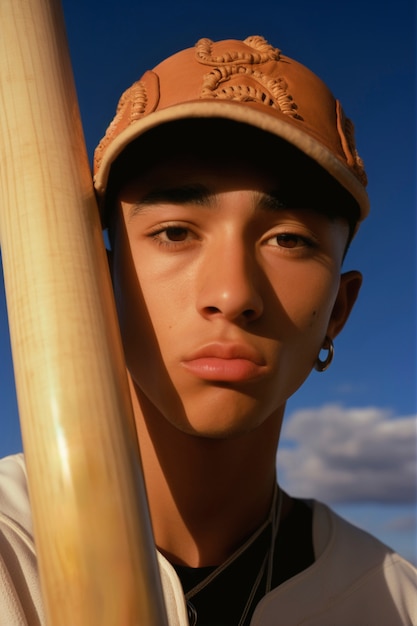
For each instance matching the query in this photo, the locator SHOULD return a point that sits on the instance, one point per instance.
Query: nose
(230, 284)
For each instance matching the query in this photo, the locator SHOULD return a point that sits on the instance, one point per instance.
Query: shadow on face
(303, 183)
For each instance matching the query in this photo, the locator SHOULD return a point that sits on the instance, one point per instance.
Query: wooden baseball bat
(92, 527)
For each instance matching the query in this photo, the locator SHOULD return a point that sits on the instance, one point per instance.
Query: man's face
(224, 295)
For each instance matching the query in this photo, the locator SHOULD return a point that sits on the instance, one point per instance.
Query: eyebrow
(198, 194)
(273, 201)
(185, 194)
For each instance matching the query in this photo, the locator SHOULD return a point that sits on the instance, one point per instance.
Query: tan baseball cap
(246, 81)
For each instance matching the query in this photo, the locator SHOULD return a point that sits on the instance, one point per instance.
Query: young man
(231, 188)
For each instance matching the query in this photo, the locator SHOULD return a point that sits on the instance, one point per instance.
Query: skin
(229, 295)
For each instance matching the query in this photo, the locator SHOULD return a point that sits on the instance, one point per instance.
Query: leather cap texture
(246, 81)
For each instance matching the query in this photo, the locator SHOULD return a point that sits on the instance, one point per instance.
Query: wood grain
(92, 527)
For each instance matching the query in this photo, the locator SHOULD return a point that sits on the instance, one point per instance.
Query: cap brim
(283, 127)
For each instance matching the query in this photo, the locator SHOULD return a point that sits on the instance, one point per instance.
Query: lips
(225, 363)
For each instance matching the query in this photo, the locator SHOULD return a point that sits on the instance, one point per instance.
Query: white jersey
(355, 580)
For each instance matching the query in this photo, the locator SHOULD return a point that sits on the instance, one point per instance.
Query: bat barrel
(91, 521)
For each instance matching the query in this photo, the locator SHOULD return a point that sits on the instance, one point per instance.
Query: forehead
(193, 172)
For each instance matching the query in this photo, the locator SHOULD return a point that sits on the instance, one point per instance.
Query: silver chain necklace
(266, 565)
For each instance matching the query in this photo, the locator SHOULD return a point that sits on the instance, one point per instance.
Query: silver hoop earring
(320, 365)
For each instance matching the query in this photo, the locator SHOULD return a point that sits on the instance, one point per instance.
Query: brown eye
(176, 233)
(286, 240)
(290, 241)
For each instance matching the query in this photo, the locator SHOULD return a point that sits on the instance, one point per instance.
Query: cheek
(134, 321)
(308, 299)
(149, 312)
(142, 339)
(308, 310)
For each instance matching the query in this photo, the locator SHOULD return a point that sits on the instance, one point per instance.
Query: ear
(350, 284)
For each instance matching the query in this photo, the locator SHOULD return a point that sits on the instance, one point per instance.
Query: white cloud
(342, 454)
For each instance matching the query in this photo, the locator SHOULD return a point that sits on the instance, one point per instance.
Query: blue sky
(350, 433)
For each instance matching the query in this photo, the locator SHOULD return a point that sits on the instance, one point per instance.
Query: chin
(218, 432)
(213, 412)
(219, 423)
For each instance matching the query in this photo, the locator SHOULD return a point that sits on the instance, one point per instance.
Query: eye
(174, 233)
(172, 236)
(289, 241)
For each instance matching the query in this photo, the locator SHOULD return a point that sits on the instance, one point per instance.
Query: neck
(206, 496)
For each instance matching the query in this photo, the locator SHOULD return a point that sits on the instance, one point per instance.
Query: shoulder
(355, 579)
(335, 536)
(14, 498)
(20, 598)
(364, 558)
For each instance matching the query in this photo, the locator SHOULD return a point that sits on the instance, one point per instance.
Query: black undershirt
(222, 602)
